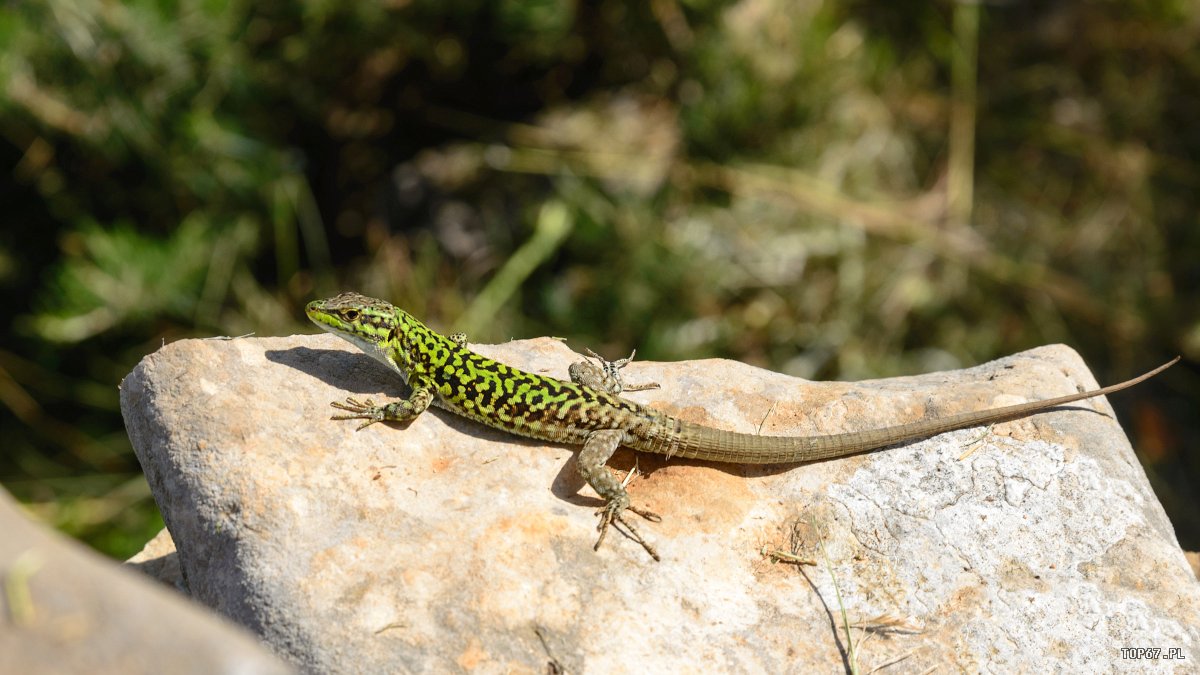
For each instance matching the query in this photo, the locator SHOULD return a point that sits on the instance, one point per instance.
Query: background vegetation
(832, 189)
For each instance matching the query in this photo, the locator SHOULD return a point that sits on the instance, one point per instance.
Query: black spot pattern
(484, 390)
(502, 396)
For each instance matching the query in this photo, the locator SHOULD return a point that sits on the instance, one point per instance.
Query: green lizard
(587, 411)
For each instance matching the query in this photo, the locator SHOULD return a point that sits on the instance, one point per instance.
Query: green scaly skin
(442, 371)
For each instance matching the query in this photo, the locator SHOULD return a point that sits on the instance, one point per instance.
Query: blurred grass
(829, 189)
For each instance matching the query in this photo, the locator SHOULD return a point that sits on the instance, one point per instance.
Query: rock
(159, 560)
(69, 610)
(446, 545)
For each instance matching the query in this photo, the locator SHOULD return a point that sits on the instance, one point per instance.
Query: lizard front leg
(395, 411)
(599, 446)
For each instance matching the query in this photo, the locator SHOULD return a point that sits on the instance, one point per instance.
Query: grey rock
(1033, 545)
(69, 610)
(159, 560)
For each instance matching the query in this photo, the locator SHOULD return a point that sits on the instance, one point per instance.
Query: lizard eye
(350, 315)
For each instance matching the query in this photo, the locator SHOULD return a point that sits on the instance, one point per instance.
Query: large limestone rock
(445, 545)
(65, 609)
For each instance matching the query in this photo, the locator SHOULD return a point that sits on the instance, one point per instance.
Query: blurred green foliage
(831, 189)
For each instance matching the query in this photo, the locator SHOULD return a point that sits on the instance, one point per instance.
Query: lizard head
(369, 324)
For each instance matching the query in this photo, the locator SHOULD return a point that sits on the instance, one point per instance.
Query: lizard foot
(607, 375)
(397, 411)
(611, 512)
(360, 410)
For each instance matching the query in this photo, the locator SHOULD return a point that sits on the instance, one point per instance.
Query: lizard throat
(376, 349)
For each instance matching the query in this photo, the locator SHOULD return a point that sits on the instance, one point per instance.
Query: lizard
(588, 411)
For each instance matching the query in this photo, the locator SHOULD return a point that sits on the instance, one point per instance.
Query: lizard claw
(354, 405)
(611, 512)
(648, 515)
(360, 410)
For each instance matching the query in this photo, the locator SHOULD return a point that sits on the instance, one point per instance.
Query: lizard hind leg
(599, 446)
(605, 376)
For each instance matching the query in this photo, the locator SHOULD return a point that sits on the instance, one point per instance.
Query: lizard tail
(693, 441)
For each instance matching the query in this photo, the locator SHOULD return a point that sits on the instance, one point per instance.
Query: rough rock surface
(65, 609)
(445, 545)
(159, 560)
